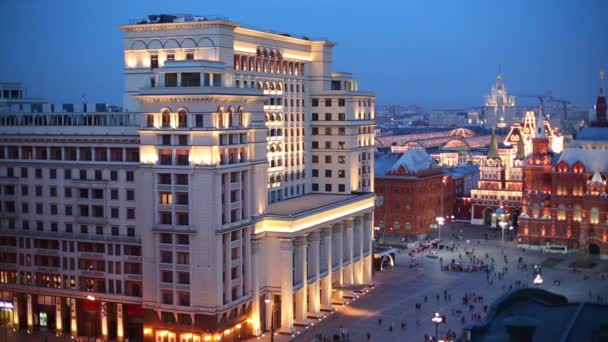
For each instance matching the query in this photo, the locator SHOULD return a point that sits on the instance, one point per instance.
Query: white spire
(540, 122)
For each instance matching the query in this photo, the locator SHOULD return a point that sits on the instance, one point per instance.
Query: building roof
(303, 204)
(461, 170)
(593, 133)
(554, 318)
(411, 161)
(594, 160)
(414, 160)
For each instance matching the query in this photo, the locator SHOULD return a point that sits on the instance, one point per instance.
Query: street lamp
(502, 225)
(268, 301)
(437, 319)
(440, 221)
(538, 280)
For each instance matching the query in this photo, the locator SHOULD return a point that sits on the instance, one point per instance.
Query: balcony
(134, 277)
(132, 258)
(89, 273)
(92, 255)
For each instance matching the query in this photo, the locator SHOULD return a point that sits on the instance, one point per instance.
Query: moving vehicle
(557, 249)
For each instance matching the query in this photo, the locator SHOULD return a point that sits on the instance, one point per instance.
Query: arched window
(220, 117)
(230, 113)
(561, 213)
(239, 117)
(182, 118)
(577, 214)
(594, 215)
(165, 118)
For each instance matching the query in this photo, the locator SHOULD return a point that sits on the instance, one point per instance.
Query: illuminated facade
(500, 184)
(241, 172)
(501, 172)
(415, 192)
(499, 107)
(565, 198)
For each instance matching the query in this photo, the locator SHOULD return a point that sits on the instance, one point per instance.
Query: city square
(398, 290)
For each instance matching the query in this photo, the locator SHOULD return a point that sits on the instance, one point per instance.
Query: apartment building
(235, 189)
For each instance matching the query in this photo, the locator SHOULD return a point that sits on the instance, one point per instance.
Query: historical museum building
(501, 171)
(233, 194)
(414, 191)
(565, 198)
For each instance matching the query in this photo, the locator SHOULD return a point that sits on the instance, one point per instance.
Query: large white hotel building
(238, 178)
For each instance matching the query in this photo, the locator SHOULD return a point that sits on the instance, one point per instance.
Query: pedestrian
(425, 299)
(390, 327)
(369, 336)
(379, 321)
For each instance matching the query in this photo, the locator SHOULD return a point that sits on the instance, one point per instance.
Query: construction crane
(550, 98)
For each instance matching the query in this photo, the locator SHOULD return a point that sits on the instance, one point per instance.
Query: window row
(81, 174)
(267, 65)
(70, 153)
(328, 187)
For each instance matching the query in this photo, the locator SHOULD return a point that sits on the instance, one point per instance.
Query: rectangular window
(190, 56)
(327, 102)
(171, 79)
(217, 80)
(335, 85)
(341, 116)
(191, 79)
(153, 61)
(315, 102)
(315, 117)
(327, 116)
(341, 102)
(199, 120)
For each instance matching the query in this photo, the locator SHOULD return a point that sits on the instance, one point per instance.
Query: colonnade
(315, 266)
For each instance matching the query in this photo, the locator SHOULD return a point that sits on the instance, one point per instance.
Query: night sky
(437, 54)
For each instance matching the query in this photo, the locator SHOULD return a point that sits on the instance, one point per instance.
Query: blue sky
(439, 54)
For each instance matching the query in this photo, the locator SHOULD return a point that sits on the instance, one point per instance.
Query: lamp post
(437, 319)
(503, 225)
(268, 301)
(440, 221)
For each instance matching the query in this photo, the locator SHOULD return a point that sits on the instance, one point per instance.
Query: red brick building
(415, 192)
(565, 199)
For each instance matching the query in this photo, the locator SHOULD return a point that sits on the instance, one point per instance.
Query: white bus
(558, 249)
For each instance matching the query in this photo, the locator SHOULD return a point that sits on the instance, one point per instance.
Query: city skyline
(436, 67)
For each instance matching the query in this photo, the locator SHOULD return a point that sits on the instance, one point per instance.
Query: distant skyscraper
(499, 107)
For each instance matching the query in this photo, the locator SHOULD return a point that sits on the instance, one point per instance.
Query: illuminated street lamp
(268, 301)
(440, 221)
(503, 225)
(538, 280)
(437, 319)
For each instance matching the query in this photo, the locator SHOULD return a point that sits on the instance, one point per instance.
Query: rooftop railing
(69, 119)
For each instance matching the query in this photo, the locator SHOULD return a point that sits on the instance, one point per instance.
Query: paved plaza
(399, 289)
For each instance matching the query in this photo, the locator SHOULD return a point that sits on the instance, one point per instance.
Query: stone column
(120, 331)
(286, 264)
(255, 305)
(104, 320)
(29, 313)
(326, 281)
(368, 221)
(338, 230)
(58, 320)
(15, 312)
(358, 243)
(314, 269)
(300, 268)
(348, 269)
(73, 318)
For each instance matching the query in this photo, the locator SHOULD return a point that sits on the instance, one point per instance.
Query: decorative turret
(600, 106)
(521, 153)
(540, 123)
(493, 149)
